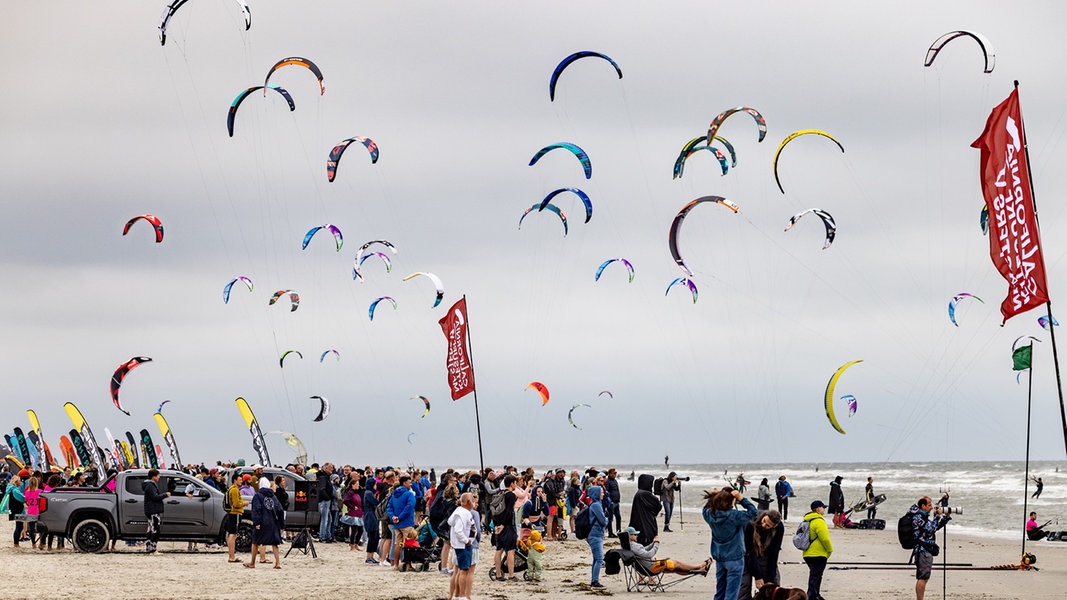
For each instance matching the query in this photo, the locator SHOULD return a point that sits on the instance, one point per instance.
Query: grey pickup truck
(303, 508)
(92, 517)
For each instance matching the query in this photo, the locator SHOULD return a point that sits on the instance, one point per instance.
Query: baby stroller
(520, 565)
(419, 552)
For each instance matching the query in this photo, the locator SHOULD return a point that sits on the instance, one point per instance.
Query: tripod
(302, 543)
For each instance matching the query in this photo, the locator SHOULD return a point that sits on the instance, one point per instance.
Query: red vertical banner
(1014, 244)
(458, 362)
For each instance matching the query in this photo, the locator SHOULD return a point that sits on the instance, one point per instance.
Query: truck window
(134, 485)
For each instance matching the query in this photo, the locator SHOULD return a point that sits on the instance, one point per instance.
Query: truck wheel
(244, 536)
(91, 536)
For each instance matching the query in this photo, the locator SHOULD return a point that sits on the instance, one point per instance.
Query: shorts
(408, 533)
(463, 558)
(420, 505)
(474, 556)
(663, 565)
(507, 539)
(924, 563)
(229, 524)
(386, 531)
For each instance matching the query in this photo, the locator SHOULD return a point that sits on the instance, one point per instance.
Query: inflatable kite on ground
(339, 149)
(281, 361)
(356, 273)
(173, 6)
(563, 64)
(293, 297)
(335, 352)
(791, 137)
(151, 219)
(717, 121)
(374, 305)
(1043, 322)
(952, 305)
(337, 237)
(686, 283)
(676, 226)
(983, 43)
(298, 61)
(436, 282)
(540, 388)
(425, 401)
(229, 286)
(120, 375)
(570, 414)
(603, 265)
(577, 192)
(552, 208)
(241, 98)
(828, 398)
(324, 408)
(575, 150)
(827, 221)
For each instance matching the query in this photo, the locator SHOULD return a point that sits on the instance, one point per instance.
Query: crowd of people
(391, 514)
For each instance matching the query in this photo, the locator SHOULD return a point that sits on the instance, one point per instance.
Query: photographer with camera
(924, 527)
(672, 483)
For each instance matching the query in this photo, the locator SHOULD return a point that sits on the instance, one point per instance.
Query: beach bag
(351, 520)
(497, 504)
(583, 524)
(802, 538)
(906, 532)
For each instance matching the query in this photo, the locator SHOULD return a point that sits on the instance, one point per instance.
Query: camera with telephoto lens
(952, 510)
(683, 478)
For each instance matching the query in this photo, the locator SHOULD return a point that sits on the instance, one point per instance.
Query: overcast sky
(99, 123)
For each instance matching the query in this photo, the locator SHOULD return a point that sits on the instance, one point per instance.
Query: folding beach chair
(639, 578)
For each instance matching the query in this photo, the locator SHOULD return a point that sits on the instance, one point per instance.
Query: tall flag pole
(1014, 236)
(455, 326)
(1022, 360)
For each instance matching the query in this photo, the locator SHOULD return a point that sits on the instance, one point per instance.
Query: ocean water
(990, 494)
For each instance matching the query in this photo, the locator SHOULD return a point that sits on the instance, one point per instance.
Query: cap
(24, 473)
(257, 466)
(246, 477)
(561, 470)
(212, 471)
(818, 504)
(631, 531)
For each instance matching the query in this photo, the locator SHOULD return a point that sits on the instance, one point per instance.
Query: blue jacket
(727, 530)
(596, 513)
(402, 506)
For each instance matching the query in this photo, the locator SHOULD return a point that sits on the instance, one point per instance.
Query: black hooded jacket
(646, 507)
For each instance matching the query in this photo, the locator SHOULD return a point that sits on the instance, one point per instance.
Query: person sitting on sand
(1034, 531)
(646, 555)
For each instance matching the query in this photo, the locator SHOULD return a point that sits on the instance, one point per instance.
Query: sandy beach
(339, 573)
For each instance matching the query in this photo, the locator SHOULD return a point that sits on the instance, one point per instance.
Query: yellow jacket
(820, 536)
(237, 503)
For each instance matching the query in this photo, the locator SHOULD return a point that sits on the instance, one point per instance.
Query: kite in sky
(983, 43)
(603, 265)
(293, 297)
(563, 64)
(952, 305)
(761, 123)
(156, 224)
(791, 137)
(827, 221)
(241, 98)
(828, 398)
(540, 388)
(436, 282)
(575, 150)
(339, 149)
(173, 6)
(229, 286)
(120, 375)
(298, 61)
(676, 226)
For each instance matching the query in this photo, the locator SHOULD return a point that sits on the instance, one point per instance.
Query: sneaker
(385, 563)
(596, 584)
(371, 561)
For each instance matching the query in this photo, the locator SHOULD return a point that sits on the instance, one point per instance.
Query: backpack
(802, 538)
(657, 486)
(497, 506)
(226, 504)
(583, 524)
(906, 531)
(381, 512)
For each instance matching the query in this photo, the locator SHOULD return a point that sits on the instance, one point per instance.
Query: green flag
(1021, 358)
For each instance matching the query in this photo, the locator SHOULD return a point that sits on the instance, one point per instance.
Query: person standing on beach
(611, 486)
(763, 544)
(763, 496)
(643, 511)
(325, 495)
(462, 528)
(925, 528)
(268, 521)
(783, 491)
(507, 536)
(837, 499)
(727, 538)
(872, 510)
(596, 533)
(153, 508)
(235, 507)
(818, 553)
(667, 497)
